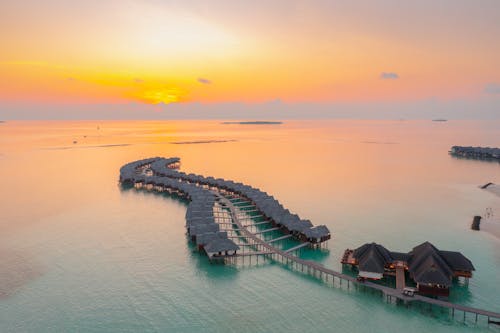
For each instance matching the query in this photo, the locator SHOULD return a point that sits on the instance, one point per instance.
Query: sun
(164, 95)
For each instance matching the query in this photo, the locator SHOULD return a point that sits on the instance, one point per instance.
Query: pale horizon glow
(194, 53)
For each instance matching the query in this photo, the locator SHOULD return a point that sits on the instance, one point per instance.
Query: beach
(490, 222)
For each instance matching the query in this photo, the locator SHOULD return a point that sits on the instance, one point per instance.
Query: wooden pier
(316, 269)
(238, 229)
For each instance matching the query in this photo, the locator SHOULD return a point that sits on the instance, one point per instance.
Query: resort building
(476, 152)
(203, 193)
(432, 270)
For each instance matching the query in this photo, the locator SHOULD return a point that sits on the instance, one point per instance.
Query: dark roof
(400, 256)
(427, 266)
(372, 257)
(432, 270)
(316, 232)
(457, 261)
(360, 251)
(221, 245)
(372, 263)
(205, 238)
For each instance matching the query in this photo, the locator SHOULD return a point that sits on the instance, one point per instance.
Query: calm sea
(78, 254)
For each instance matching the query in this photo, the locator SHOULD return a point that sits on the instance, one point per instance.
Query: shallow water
(77, 253)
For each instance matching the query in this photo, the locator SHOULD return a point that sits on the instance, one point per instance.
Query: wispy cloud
(389, 76)
(492, 88)
(204, 81)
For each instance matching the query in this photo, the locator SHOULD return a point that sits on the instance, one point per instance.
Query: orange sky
(231, 51)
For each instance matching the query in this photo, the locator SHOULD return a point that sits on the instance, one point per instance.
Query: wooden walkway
(264, 248)
(400, 278)
(295, 248)
(279, 238)
(264, 231)
(325, 273)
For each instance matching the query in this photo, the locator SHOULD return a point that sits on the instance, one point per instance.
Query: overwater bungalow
(476, 152)
(208, 237)
(432, 270)
(220, 247)
(317, 234)
(159, 174)
(372, 260)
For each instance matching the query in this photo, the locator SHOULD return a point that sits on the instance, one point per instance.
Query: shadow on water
(319, 255)
(208, 269)
(460, 292)
(17, 269)
(476, 159)
(173, 196)
(204, 267)
(349, 270)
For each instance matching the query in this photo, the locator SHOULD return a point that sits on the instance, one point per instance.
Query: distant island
(482, 153)
(199, 142)
(253, 122)
(439, 119)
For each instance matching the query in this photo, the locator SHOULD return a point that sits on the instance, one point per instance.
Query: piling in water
(475, 222)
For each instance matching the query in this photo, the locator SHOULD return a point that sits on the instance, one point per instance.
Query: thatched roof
(457, 261)
(426, 265)
(221, 245)
(316, 232)
(432, 270)
(372, 257)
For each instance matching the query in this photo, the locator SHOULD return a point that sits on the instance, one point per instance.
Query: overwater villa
(432, 270)
(203, 194)
(216, 203)
(476, 152)
(220, 247)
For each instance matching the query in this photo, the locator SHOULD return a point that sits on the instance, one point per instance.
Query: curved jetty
(209, 196)
(224, 217)
(476, 152)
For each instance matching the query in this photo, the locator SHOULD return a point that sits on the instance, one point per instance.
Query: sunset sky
(153, 53)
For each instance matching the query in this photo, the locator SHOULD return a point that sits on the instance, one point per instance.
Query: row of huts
(476, 152)
(200, 221)
(270, 207)
(432, 270)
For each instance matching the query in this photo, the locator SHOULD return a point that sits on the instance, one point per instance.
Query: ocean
(79, 253)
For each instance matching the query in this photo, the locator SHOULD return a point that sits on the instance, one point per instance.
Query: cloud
(137, 80)
(204, 81)
(389, 76)
(492, 88)
(71, 79)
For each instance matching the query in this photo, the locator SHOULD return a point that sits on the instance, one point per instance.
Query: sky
(245, 59)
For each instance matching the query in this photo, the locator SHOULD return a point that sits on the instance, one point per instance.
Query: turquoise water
(77, 253)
